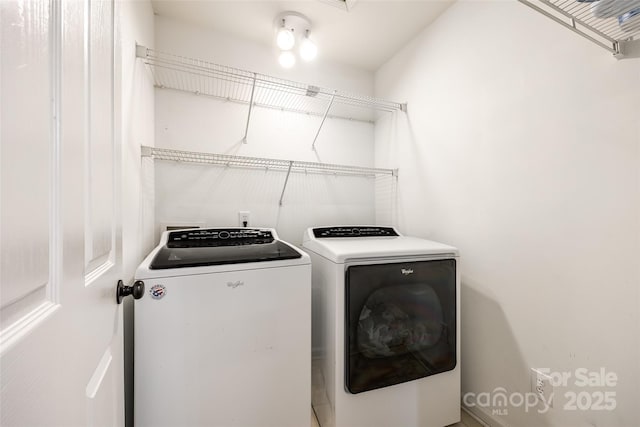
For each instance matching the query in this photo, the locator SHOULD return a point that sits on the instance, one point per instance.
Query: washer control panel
(219, 237)
(354, 231)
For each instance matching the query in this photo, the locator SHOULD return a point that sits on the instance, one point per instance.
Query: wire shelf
(579, 17)
(287, 166)
(261, 163)
(246, 87)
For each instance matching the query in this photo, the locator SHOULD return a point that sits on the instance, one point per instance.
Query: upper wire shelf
(247, 87)
(612, 24)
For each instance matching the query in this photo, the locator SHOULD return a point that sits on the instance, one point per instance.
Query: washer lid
(203, 247)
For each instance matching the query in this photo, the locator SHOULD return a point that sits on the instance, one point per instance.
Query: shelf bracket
(629, 49)
(141, 51)
(246, 129)
(146, 151)
(286, 180)
(326, 113)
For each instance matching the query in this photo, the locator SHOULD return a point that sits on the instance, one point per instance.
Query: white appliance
(386, 335)
(223, 334)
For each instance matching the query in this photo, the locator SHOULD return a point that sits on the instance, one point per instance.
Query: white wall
(521, 147)
(135, 25)
(213, 195)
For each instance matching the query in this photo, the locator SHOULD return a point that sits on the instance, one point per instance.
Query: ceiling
(366, 36)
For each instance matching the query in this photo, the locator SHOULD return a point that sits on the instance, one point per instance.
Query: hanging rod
(604, 30)
(287, 166)
(237, 85)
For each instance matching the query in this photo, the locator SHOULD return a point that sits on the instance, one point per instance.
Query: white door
(61, 330)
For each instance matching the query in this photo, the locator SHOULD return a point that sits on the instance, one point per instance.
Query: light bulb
(287, 59)
(285, 39)
(308, 49)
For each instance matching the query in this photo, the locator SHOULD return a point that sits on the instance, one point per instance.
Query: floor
(314, 420)
(466, 421)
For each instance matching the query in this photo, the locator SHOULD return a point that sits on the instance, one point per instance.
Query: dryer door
(400, 322)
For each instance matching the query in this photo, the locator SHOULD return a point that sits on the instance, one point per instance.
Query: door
(61, 330)
(400, 322)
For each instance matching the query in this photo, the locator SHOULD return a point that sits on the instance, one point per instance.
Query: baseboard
(482, 417)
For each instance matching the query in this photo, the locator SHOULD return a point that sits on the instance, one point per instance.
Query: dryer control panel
(354, 231)
(219, 237)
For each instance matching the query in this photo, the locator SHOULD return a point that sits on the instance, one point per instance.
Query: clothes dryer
(386, 328)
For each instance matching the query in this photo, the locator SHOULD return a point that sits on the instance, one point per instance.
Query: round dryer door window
(398, 320)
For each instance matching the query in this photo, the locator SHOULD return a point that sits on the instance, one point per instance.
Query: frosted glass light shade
(285, 39)
(308, 49)
(287, 59)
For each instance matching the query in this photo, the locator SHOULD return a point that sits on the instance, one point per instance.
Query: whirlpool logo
(234, 285)
(406, 271)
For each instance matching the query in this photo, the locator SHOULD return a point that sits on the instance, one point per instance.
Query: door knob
(136, 290)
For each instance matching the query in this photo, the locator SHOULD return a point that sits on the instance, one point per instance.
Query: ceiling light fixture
(308, 49)
(285, 38)
(293, 28)
(287, 59)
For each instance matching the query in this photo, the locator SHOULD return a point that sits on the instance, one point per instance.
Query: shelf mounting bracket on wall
(141, 51)
(253, 91)
(324, 117)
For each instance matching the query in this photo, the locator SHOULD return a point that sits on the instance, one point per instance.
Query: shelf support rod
(286, 180)
(333, 96)
(246, 129)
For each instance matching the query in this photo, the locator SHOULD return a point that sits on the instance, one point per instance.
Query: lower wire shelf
(287, 166)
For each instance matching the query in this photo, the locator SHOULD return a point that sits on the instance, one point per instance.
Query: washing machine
(386, 334)
(223, 334)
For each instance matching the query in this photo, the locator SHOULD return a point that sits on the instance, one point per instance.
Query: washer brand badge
(157, 291)
(234, 285)
(407, 271)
